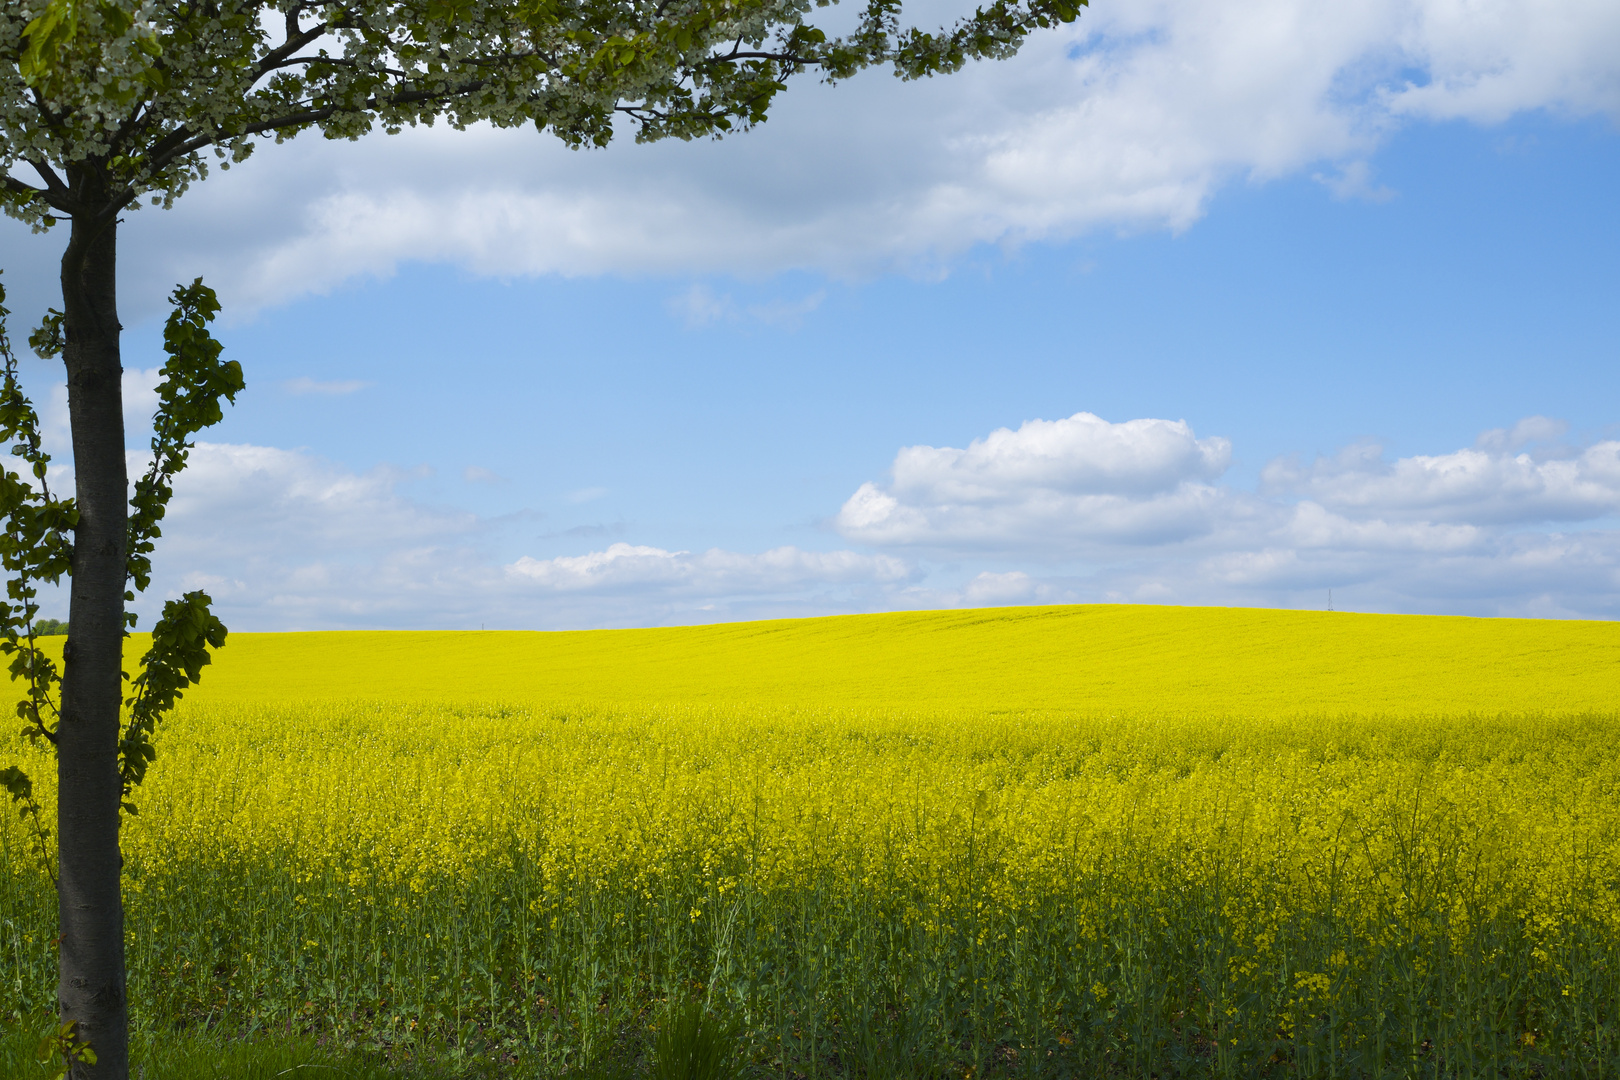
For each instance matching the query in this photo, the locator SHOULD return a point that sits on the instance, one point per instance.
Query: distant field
(1092, 658)
(1083, 841)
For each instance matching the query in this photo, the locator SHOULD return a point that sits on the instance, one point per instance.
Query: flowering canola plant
(999, 867)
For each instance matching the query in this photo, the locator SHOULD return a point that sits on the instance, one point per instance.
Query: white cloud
(1133, 512)
(1132, 118)
(252, 501)
(787, 313)
(638, 567)
(1532, 429)
(1354, 181)
(139, 395)
(585, 495)
(284, 540)
(1083, 454)
(1047, 486)
(1486, 61)
(990, 589)
(335, 388)
(1311, 526)
(1485, 484)
(140, 403)
(699, 306)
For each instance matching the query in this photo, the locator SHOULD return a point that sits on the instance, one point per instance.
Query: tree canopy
(141, 93)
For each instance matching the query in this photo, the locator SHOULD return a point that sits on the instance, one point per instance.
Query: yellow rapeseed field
(1041, 841)
(1083, 658)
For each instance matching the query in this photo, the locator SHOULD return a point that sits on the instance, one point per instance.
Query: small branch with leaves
(63, 1048)
(194, 380)
(35, 546)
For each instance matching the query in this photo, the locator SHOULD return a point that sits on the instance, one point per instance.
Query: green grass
(214, 1056)
(206, 1057)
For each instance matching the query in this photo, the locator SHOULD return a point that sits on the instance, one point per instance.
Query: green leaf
(47, 340)
(17, 783)
(46, 37)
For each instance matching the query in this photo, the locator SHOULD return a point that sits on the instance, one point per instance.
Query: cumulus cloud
(1046, 486)
(1485, 61)
(1484, 484)
(1133, 117)
(1135, 511)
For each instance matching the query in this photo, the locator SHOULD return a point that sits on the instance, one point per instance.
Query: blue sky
(1185, 307)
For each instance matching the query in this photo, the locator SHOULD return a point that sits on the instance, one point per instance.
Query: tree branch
(17, 187)
(334, 61)
(780, 58)
(189, 145)
(276, 59)
(56, 193)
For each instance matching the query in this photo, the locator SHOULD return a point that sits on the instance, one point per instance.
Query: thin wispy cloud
(644, 569)
(330, 388)
(699, 306)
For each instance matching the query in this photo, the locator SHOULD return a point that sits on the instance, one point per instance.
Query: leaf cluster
(181, 641)
(192, 383)
(133, 93)
(63, 1048)
(35, 546)
(194, 380)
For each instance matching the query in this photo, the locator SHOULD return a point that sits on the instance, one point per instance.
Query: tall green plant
(37, 531)
(694, 1044)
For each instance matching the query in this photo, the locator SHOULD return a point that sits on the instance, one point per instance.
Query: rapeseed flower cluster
(1190, 895)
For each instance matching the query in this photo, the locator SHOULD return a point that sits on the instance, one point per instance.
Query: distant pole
(1330, 599)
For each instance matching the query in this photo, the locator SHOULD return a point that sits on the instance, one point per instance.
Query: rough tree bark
(91, 966)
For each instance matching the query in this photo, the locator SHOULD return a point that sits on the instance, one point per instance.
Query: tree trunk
(91, 967)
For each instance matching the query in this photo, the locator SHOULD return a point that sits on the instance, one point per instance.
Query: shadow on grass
(190, 1056)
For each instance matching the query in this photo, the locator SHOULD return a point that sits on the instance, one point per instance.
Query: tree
(108, 103)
